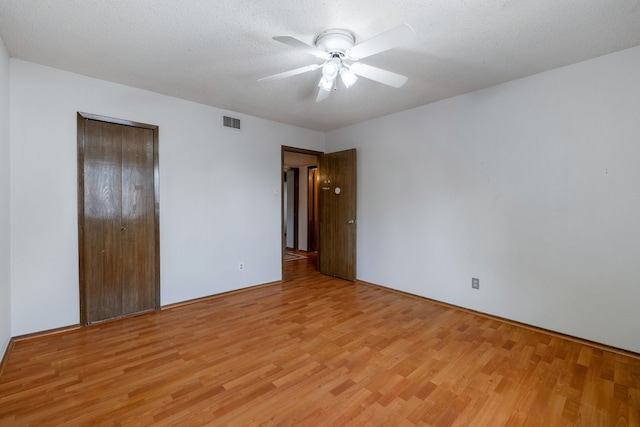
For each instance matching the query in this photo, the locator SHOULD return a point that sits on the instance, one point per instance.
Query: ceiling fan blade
(379, 75)
(397, 36)
(322, 95)
(290, 73)
(297, 44)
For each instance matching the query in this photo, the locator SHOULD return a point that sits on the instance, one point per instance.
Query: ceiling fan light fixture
(348, 77)
(326, 84)
(331, 68)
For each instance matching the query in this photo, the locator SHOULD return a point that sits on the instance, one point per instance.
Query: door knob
(351, 221)
(123, 228)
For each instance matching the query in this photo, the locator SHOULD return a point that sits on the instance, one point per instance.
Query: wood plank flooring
(315, 351)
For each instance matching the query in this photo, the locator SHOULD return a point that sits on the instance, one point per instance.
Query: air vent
(231, 122)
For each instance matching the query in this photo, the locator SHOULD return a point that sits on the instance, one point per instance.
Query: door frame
(81, 117)
(285, 148)
(313, 213)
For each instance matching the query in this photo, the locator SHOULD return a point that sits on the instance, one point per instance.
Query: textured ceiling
(298, 160)
(213, 52)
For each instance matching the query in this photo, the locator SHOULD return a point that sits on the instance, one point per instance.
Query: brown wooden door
(337, 240)
(118, 218)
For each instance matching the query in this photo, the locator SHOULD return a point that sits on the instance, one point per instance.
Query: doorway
(330, 184)
(299, 200)
(118, 211)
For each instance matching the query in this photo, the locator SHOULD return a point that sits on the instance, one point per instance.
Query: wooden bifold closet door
(117, 218)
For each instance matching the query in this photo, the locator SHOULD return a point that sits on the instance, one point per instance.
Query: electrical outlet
(241, 266)
(475, 283)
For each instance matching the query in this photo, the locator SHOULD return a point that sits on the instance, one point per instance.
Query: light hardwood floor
(315, 351)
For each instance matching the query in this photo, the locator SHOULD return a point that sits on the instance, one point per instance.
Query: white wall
(531, 186)
(303, 214)
(289, 208)
(219, 192)
(5, 253)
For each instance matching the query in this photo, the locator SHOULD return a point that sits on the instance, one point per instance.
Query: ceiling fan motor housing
(335, 41)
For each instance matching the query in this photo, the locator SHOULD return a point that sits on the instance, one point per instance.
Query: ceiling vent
(231, 122)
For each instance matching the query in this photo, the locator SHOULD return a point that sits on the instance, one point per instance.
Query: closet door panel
(102, 207)
(138, 221)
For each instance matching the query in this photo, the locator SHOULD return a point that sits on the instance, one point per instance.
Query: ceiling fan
(338, 50)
